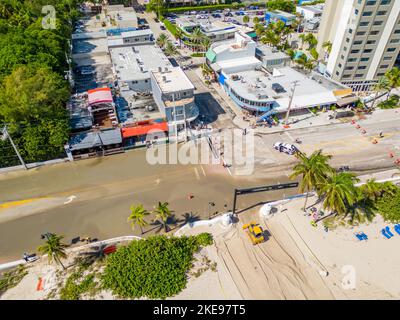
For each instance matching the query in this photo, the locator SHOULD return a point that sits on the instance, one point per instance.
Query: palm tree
(327, 45)
(205, 43)
(54, 249)
(163, 213)
(340, 192)
(382, 85)
(170, 49)
(138, 213)
(162, 40)
(256, 20)
(371, 190)
(393, 77)
(314, 171)
(303, 38)
(246, 19)
(363, 208)
(311, 40)
(197, 36)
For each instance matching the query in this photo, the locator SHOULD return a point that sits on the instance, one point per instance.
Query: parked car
(285, 147)
(162, 27)
(260, 13)
(156, 20)
(228, 14)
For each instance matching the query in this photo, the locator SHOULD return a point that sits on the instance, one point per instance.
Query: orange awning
(143, 130)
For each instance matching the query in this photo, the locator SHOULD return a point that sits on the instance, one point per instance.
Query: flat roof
(253, 83)
(136, 62)
(313, 9)
(175, 80)
(136, 33)
(92, 139)
(282, 13)
(268, 53)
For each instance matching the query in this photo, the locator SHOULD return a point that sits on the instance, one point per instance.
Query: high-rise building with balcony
(365, 37)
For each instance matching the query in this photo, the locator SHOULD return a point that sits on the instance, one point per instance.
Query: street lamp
(210, 204)
(295, 83)
(46, 235)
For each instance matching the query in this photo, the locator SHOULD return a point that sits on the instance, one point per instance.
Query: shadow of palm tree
(159, 226)
(188, 218)
(97, 253)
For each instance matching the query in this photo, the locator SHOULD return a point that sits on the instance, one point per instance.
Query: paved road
(104, 189)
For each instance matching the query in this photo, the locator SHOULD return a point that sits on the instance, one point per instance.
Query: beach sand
(297, 261)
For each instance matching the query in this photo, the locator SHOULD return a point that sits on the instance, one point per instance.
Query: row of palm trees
(338, 191)
(387, 83)
(166, 44)
(139, 213)
(55, 248)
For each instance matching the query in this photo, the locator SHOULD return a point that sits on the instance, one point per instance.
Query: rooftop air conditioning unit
(159, 69)
(166, 69)
(164, 78)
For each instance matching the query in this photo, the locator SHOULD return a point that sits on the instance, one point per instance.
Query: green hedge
(155, 267)
(213, 7)
(389, 206)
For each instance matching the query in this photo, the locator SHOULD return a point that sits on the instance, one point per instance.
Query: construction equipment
(255, 232)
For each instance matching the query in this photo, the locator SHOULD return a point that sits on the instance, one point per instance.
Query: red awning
(143, 130)
(100, 95)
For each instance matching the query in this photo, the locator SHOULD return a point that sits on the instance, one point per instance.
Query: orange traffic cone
(190, 196)
(391, 154)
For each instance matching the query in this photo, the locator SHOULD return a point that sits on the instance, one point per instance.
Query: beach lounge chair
(387, 229)
(397, 228)
(365, 237)
(383, 231)
(359, 236)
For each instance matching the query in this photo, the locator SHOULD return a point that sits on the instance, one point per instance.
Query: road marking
(202, 169)
(11, 204)
(197, 173)
(70, 199)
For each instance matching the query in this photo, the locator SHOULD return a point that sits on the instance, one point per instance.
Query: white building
(130, 38)
(310, 12)
(132, 65)
(365, 37)
(174, 95)
(263, 89)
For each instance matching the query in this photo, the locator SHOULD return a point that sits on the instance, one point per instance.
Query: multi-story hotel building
(365, 37)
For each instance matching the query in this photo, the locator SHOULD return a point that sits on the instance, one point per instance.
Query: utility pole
(7, 135)
(290, 101)
(184, 119)
(176, 125)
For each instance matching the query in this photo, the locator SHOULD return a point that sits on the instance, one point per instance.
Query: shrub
(389, 206)
(10, 279)
(75, 286)
(391, 103)
(204, 239)
(155, 267)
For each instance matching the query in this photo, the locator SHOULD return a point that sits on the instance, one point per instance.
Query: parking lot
(227, 15)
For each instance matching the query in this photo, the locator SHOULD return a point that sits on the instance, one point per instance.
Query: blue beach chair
(359, 236)
(365, 237)
(387, 229)
(397, 228)
(383, 231)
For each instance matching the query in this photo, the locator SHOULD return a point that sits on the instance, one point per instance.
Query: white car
(285, 147)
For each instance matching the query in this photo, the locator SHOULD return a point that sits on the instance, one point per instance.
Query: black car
(278, 88)
(162, 27)
(156, 20)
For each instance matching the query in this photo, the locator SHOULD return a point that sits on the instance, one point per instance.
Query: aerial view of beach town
(199, 150)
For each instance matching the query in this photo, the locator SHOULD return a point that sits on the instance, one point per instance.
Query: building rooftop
(136, 62)
(266, 52)
(206, 26)
(124, 17)
(172, 80)
(92, 139)
(282, 14)
(315, 9)
(256, 85)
